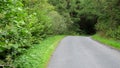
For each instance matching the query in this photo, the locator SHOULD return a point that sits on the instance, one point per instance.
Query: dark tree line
(91, 16)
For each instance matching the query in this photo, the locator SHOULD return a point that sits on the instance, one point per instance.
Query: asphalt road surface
(83, 52)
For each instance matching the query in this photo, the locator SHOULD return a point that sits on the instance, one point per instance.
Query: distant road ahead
(83, 52)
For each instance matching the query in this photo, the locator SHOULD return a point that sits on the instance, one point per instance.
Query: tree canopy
(24, 23)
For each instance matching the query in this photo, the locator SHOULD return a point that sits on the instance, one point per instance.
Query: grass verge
(111, 42)
(39, 55)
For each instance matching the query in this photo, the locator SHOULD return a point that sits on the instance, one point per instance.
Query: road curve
(83, 52)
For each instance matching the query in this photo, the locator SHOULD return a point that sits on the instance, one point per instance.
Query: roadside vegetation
(38, 56)
(24, 24)
(107, 41)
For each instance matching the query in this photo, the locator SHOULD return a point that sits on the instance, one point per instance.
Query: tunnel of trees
(84, 19)
(90, 16)
(24, 23)
(87, 24)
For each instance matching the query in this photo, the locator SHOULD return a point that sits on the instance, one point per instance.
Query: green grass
(38, 56)
(107, 41)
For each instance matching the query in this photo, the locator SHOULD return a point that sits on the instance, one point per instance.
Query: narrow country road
(83, 52)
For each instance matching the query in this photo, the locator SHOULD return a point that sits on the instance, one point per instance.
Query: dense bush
(14, 35)
(25, 23)
(66, 9)
(86, 14)
(58, 23)
(39, 55)
(108, 22)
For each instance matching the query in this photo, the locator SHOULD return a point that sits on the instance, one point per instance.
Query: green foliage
(38, 55)
(39, 22)
(111, 42)
(58, 23)
(108, 22)
(114, 33)
(74, 11)
(22, 24)
(13, 32)
(65, 9)
(85, 13)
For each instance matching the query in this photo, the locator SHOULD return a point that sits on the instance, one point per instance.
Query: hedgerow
(23, 23)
